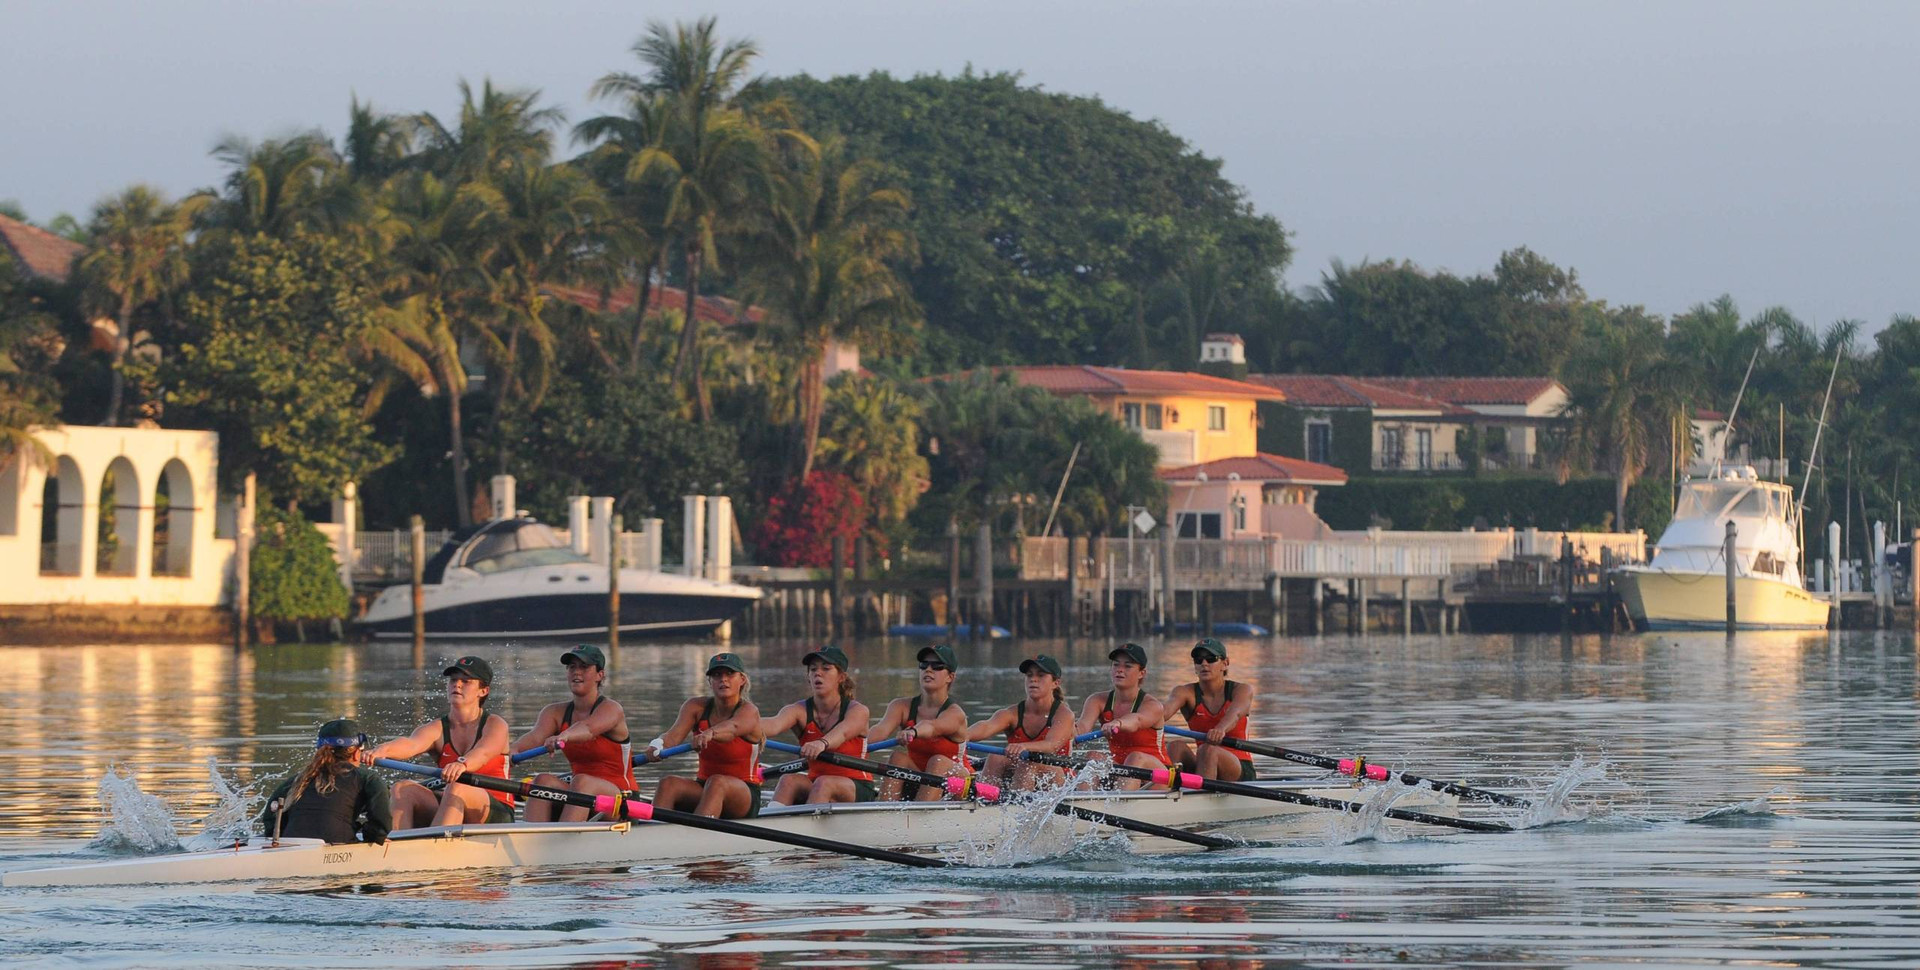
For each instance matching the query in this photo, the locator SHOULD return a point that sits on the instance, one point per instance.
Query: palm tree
(872, 436)
(710, 157)
(1620, 389)
(825, 268)
(637, 235)
(494, 132)
(138, 256)
(281, 185)
(377, 146)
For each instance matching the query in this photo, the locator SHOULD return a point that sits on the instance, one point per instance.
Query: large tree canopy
(1052, 228)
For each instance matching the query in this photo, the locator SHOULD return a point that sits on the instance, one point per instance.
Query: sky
(1669, 151)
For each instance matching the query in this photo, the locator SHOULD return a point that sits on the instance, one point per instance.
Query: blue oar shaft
(980, 748)
(643, 759)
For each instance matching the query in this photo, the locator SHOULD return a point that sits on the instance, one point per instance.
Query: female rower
(1128, 715)
(468, 739)
(1217, 706)
(725, 729)
(930, 727)
(590, 729)
(829, 720)
(331, 798)
(1038, 723)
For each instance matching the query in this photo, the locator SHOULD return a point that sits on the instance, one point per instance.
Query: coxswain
(829, 719)
(332, 798)
(1217, 707)
(1039, 722)
(467, 739)
(1128, 715)
(725, 729)
(590, 730)
(930, 728)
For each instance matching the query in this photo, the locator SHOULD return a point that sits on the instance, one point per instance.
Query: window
(1423, 447)
(1391, 449)
(1320, 441)
(1216, 417)
(1130, 415)
(1239, 514)
(1197, 525)
(1153, 417)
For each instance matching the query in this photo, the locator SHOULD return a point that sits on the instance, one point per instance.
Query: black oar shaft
(1358, 767)
(1144, 828)
(1278, 795)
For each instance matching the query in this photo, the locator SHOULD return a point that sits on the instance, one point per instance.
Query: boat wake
(1754, 812)
(141, 823)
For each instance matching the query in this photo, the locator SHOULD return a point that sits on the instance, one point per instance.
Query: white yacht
(513, 578)
(1684, 586)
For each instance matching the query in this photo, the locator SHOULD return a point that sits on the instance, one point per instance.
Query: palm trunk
(462, 505)
(1622, 483)
(813, 403)
(124, 340)
(640, 310)
(688, 361)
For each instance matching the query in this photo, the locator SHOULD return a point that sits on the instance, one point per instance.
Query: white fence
(1362, 559)
(1488, 546)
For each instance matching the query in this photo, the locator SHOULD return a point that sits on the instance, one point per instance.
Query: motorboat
(515, 578)
(1684, 585)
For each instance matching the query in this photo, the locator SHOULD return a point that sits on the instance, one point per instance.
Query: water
(1709, 803)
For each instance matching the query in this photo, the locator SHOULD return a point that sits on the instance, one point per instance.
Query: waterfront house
(37, 252)
(1191, 418)
(1258, 496)
(1407, 424)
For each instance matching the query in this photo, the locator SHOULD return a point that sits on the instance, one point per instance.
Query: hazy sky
(1669, 151)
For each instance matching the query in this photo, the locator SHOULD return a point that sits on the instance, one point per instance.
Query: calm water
(1759, 806)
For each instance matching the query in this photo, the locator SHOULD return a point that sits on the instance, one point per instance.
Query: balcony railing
(1447, 461)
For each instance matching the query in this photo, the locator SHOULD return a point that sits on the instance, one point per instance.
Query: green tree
(1620, 390)
(871, 435)
(139, 255)
(293, 575)
(280, 185)
(30, 343)
(263, 356)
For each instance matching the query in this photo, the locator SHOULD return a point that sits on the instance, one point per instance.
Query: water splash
(232, 815)
(136, 821)
(1751, 812)
(1370, 822)
(1555, 804)
(1029, 829)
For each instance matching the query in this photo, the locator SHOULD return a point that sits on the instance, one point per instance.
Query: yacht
(1684, 586)
(514, 578)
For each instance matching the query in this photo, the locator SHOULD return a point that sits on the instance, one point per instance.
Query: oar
(644, 812)
(1182, 779)
(996, 749)
(1356, 768)
(1120, 821)
(959, 786)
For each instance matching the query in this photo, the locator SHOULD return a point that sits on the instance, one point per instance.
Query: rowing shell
(968, 831)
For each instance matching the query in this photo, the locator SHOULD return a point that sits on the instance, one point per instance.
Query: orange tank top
(599, 756)
(496, 767)
(1147, 741)
(738, 757)
(922, 749)
(856, 747)
(1202, 720)
(1018, 733)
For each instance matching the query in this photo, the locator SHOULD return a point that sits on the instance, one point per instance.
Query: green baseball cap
(827, 654)
(726, 661)
(1210, 647)
(343, 732)
(473, 667)
(1044, 662)
(1131, 651)
(585, 653)
(940, 652)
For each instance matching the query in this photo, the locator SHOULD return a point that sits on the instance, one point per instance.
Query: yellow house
(1191, 418)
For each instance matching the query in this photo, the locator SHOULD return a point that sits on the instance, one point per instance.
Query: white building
(117, 517)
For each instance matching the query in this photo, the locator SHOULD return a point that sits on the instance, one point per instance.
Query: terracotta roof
(1472, 390)
(713, 309)
(1702, 414)
(40, 252)
(1259, 468)
(1333, 391)
(1230, 338)
(1088, 379)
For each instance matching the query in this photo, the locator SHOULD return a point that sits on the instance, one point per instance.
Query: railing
(1332, 559)
(1448, 461)
(1176, 448)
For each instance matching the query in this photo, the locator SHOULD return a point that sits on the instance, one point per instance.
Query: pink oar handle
(637, 810)
(1374, 772)
(1162, 776)
(957, 787)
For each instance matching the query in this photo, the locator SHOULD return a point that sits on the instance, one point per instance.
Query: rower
(1128, 715)
(1040, 722)
(828, 720)
(590, 729)
(930, 728)
(725, 729)
(466, 739)
(331, 799)
(1217, 706)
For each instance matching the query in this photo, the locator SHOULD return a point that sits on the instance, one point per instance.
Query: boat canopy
(515, 544)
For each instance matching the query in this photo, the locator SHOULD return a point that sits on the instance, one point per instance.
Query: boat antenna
(1726, 430)
(1813, 454)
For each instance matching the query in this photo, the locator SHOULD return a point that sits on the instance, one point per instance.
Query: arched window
(173, 521)
(117, 540)
(61, 503)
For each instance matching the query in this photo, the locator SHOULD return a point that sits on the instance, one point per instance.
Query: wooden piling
(614, 526)
(243, 565)
(418, 529)
(1727, 555)
(982, 624)
(839, 626)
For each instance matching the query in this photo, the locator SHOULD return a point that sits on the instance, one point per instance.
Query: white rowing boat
(964, 831)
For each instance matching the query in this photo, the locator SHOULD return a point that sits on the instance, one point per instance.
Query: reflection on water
(1743, 802)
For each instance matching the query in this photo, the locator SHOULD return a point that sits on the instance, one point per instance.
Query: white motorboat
(1684, 585)
(513, 578)
(969, 832)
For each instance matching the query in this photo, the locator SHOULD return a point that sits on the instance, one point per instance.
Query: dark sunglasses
(932, 665)
(1206, 658)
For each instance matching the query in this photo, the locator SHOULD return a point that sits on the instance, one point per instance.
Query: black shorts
(498, 812)
(1246, 770)
(865, 791)
(753, 800)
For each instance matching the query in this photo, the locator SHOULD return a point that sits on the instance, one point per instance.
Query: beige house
(1402, 424)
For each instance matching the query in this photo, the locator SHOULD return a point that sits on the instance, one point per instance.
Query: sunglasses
(353, 742)
(1207, 658)
(932, 665)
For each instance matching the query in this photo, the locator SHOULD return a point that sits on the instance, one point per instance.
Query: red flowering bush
(803, 518)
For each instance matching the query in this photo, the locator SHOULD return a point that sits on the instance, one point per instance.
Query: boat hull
(1672, 600)
(963, 830)
(567, 615)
